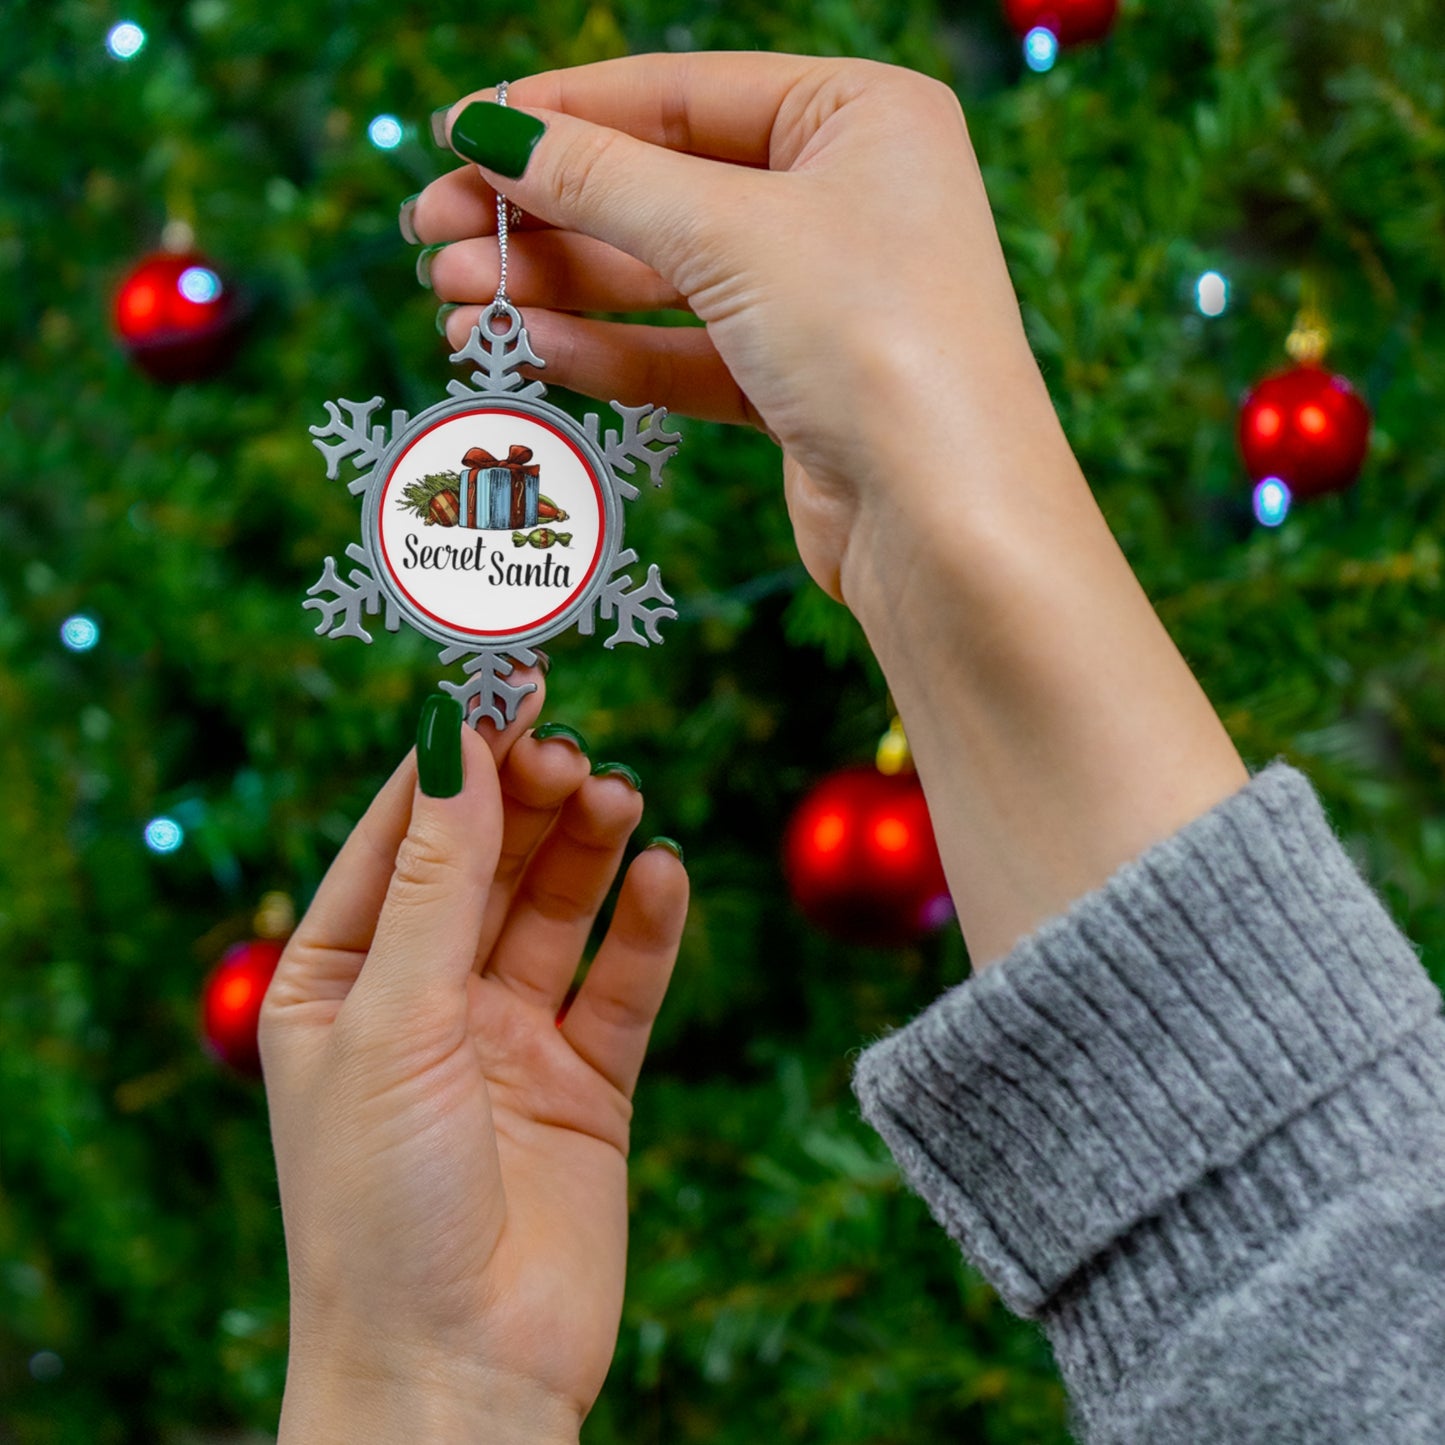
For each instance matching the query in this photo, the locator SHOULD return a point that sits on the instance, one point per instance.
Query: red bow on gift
(516, 457)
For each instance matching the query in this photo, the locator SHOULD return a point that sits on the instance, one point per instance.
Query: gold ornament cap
(894, 755)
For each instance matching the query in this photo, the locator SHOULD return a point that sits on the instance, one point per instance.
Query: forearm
(1057, 730)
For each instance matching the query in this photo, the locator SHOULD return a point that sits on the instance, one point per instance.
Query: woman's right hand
(825, 218)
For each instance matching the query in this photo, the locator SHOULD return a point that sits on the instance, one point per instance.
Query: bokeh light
(164, 835)
(385, 132)
(126, 40)
(199, 284)
(80, 633)
(1211, 294)
(1041, 48)
(1271, 502)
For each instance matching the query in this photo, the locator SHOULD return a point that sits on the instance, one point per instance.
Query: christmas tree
(178, 744)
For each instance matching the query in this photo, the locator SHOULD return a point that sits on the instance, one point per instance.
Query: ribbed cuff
(1225, 982)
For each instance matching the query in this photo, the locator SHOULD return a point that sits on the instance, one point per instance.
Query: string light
(80, 633)
(199, 284)
(1211, 294)
(1271, 502)
(164, 835)
(1041, 48)
(126, 40)
(385, 132)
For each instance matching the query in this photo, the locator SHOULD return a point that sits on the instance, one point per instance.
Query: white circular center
(490, 523)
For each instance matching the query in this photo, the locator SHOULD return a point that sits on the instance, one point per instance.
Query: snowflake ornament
(492, 521)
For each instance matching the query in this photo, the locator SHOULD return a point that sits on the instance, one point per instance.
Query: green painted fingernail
(423, 263)
(439, 125)
(671, 844)
(404, 219)
(443, 311)
(439, 747)
(617, 770)
(561, 730)
(496, 136)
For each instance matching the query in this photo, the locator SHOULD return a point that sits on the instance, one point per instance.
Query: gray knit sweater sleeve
(1196, 1126)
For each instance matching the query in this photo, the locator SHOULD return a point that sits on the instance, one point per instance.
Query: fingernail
(561, 730)
(617, 770)
(543, 660)
(496, 136)
(423, 263)
(671, 844)
(404, 219)
(439, 125)
(439, 747)
(443, 311)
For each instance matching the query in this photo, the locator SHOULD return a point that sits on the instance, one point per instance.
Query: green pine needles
(417, 496)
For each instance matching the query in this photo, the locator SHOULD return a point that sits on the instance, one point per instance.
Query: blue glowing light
(1211, 294)
(80, 633)
(1041, 48)
(199, 284)
(126, 40)
(164, 835)
(1271, 502)
(385, 132)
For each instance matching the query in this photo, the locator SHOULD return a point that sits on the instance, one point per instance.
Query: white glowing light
(1271, 502)
(164, 835)
(199, 284)
(80, 633)
(1041, 48)
(1211, 293)
(126, 40)
(385, 132)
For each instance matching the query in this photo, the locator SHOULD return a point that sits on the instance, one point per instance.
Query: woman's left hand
(452, 1154)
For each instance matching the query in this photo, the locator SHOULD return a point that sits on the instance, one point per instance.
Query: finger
(324, 954)
(562, 890)
(539, 776)
(557, 269)
(673, 366)
(723, 105)
(611, 1018)
(413, 983)
(461, 204)
(650, 202)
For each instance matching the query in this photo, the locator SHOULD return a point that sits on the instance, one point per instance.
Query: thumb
(421, 955)
(653, 203)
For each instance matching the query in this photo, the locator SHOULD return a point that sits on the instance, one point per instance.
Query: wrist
(408, 1399)
(1057, 730)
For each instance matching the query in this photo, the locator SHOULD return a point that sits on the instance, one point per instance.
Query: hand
(826, 219)
(452, 1157)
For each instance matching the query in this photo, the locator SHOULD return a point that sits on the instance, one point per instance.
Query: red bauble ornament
(231, 1003)
(861, 860)
(1073, 22)
(176, 318)
(1307, 427)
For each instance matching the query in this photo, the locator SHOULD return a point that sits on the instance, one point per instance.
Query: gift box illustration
(499, 493)
(486, 494)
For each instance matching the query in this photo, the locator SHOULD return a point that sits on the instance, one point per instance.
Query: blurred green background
(783, 1286)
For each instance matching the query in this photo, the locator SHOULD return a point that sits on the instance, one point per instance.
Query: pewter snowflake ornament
(492, 521)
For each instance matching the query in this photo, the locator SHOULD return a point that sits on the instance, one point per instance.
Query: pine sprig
(417, 496)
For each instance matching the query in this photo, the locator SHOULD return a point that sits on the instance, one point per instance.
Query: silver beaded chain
(501, 300)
